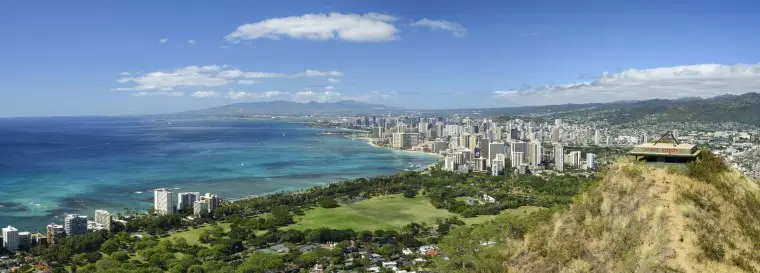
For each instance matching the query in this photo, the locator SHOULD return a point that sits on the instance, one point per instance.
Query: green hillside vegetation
(741, 109)
(634, 219)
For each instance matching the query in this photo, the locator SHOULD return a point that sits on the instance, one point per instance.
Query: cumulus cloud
(183, 77)
(163, 40)
(703, 80)
(348, 27)
(124, 74)
(456, 29)
(206, 76)
(205, 94)
(263, 75)
(191, 41)
(168, 94)
(332, 80)
(247, 82)
(252, 95)
(329, 87)
(314, 73)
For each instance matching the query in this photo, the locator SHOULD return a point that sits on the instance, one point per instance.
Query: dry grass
(641, 219)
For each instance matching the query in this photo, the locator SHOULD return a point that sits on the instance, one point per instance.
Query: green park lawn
(191, 235)
(390, 212)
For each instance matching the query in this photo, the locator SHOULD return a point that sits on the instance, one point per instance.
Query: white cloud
(163, 40)
(124, 73)
(261, 75)
(252, 95)
(183, 77)
(205, 94)
(230, 73)
(703, 80)
(332, 80)
(191, 41)
(347, 27)
(456, 29)
(314, 73)
(329, 87)
(205, 77)
(247, 82)
(168, 94)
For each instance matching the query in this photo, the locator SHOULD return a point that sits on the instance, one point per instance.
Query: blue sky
(107, 57)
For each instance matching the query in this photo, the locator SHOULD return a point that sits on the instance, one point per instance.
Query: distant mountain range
(289, 108)
(743, 108)
(726, 108)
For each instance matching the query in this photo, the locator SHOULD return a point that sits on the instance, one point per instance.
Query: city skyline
(98, 60)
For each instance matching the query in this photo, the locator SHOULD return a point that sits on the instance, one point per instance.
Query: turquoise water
(53, 166)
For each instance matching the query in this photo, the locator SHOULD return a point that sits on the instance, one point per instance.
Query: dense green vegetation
(284, 231)
(740, 109)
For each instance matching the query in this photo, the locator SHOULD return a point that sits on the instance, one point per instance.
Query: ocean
(58, 165)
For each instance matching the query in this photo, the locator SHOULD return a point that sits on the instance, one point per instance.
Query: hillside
(743, 108)
(636, 219)
(727, 108)
(289, 108)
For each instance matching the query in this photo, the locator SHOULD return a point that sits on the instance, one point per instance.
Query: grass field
(192, 235)
(384, 212)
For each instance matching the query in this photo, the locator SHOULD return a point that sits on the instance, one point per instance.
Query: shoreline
(369, 141)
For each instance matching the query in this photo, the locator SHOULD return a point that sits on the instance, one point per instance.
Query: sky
(61, 58)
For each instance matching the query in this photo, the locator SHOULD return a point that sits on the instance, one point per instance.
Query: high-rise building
(596, 137)
(517, 159)
(558, 122)
(556, 135)
(185, 200)
(10, 238)
(206, 204)
(200, 207)
(522, 147)
(575, 159)
(497, 167)
(404, 140)
(163, 201)
(495, 148)
(55, 232)
(75, 224)
(559, 158)
(484, 148)
(513, 134)
(535, 153)
(449, 163)
(481, 165)
(590, 161)
(103, 217)
(451, 130)
(24, 240)
(438, 129)
(438, 146)
(213, 201)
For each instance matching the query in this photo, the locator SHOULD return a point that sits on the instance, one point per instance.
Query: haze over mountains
(727, 108)
(289, 108)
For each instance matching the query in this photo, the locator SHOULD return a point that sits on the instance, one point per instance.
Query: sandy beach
(369, 141)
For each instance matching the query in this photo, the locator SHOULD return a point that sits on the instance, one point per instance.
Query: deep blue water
(53, 166)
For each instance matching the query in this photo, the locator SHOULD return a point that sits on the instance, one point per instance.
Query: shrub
(327, 202)
(410, 193)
